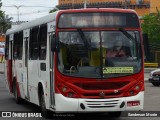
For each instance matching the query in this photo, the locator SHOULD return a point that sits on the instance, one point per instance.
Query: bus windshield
(99, 54)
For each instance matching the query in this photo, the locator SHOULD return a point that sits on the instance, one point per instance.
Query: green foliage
(53, 10)
(5, 21)
(151, 26)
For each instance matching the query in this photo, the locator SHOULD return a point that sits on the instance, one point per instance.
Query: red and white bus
(60, 61)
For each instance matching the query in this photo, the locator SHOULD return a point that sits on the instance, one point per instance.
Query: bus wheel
(45, 113)
(15, 93)
(115, 114)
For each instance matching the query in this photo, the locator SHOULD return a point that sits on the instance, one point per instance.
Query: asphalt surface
(7, 103)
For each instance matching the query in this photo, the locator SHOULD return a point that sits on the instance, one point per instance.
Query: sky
(27, 13)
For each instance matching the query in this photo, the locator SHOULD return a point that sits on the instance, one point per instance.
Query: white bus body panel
(29, 76)
(64, 104)
(44, 76)
(33, 80)
(19, 76)
(43, 20)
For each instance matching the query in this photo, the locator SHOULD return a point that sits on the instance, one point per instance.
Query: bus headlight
(135, 89)
(66, 91)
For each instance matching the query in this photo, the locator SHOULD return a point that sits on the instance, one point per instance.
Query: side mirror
(53, 43)
(146, 47)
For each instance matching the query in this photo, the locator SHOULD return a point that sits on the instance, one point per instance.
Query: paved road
(7, 103)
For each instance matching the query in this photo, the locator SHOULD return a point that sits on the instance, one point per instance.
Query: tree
(53, 10)
(151, 26)
(5, 21)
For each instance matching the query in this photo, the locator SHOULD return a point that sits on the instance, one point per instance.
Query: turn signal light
(66, 91)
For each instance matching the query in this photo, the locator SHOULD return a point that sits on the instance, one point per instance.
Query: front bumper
(64, 104)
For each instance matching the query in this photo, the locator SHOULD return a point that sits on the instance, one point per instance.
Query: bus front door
(52, 91)
(9, 66)
(51, 34)
(25, 64)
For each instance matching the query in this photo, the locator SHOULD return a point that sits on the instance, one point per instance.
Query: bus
(60, 63)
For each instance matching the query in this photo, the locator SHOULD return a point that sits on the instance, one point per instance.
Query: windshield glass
(99, 54)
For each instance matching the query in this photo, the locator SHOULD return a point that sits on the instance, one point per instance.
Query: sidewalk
(1, 68)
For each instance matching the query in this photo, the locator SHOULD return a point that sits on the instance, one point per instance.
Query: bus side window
(20, 46)
(33, 44)
(15, 45)
(43, 42)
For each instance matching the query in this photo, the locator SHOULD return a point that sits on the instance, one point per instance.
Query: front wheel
(45, 113)
(15, 93)
(115, 114)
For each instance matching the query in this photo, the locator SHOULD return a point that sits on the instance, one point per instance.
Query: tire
(156, 84)
(15, 93)
(44, 112)
(114, 114)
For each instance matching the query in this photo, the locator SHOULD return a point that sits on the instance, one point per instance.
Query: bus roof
(100, 9)
(49, 18)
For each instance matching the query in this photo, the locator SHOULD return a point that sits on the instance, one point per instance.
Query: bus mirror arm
(53, 43)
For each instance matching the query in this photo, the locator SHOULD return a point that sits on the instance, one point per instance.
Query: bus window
(15, 44)
(33, 46)
(20, 46)
(43, 42)
(7, 48)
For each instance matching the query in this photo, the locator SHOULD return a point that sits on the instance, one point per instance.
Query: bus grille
(102, 104)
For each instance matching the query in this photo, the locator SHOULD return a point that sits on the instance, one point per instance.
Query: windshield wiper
(84, 39)
(126, 34)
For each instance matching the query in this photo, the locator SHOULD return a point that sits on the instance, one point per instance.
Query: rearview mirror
(53, 43)
(146, 47)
